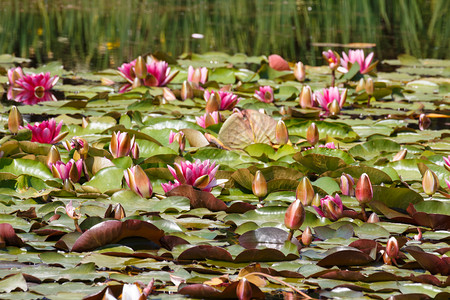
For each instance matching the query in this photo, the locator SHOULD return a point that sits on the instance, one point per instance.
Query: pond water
(98, 34)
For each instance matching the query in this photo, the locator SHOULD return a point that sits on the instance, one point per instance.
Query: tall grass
(101, 33)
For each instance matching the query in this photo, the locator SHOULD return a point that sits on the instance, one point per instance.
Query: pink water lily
(198, 174)
(227, 99)
(330, 207)
(264, 94)
(333, 59)
(46, 132)
(357, 56)
(197, 75)
(71, 170)
(325, 98)
(121, 145)
(208, 119)
(37, 83)
(158, 73)
(14, 74)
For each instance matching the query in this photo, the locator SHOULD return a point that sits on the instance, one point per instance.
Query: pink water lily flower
(14, 74)
(121, 145)
(37, 83)
(208, 119)
(333, 59)
(330, 207)
(264, 94)
(227, 99)
(357, 56)
(198, 174)
(158, 73)
(71, 170)
(447, 162)
(327, 96)
(46, 132)
(197, 75)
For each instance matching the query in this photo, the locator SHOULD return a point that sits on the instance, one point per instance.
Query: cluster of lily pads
(225, 177)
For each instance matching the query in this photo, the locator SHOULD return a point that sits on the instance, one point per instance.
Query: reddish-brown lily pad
(203, 291)
(8, 236)
(199, 199)
(113, 231)
(345, 256)
(430, 262)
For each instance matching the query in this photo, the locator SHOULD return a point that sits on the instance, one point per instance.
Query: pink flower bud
(392, 248)
(307, 236)
(312, 134)
(346, 185)
(259, 185)
(430, 182)
(364, 192)
(295, 215)
(299, 71)
(306, 97)
(138, 181)
(305, 191)
(244, 290)
(281, 133)
(15, 120)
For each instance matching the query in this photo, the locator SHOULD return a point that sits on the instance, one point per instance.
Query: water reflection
(88, 34)
(29, 97)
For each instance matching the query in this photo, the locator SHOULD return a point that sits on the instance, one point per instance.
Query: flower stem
(291, 234)
(282, 282)
(333, 77)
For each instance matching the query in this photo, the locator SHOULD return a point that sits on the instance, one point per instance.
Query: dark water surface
(97, 34)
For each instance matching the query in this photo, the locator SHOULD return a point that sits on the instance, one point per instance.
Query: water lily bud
(334, 108)
(316, 200)
(387, 260)
(283, 111)
(14, 120)
(138, 181)
(392, 248)
(306, 97)
(213, 103)
(361, 85)
(134, 151)
(53, 156)
(187, 92)
(116, 212)
(312, 134)
(278, 63)
(168, 94)
(84, 122)
(369, 86)
(430, 182)
(418, 237)
(305, 191)
(373, 218)
(400, 155)
(209, 119)
(136, 83)
(140, 68)
(299, 71)
(67, 185)
(120, 144)
(244, 290)
(74, 173)
(346, 185)
(281, 133)
(364, 192)
(307, 236)
(202, 182)
(295, 215)
(424, 122)
(259, 185)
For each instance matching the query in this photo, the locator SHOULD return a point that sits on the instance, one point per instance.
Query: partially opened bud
(361, 85)
(312, 134)
(187, 92)
(53, 156)
(430, 182)
(281, 133)
(136, 83)
(120, 144)
(259, 185)
(307, 236)
(424, 122)
(213, 103)
(202, 182)
(392, 248)
(305, 191)
(346, 185)
(138, 181)
(116, 212)
(244, 290)
(306, 96)
(295, 215)
(14, 120)
(140, 68)
(283, 111)
(334, 108)
(400, 155)
(369, 86)
(373, 218)
(209, 119)
(299, 71)
(364, 192)
(134, 151)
